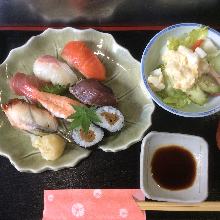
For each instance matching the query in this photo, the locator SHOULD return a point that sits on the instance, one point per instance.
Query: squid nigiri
(79, 56)
(28, 117)
(50, 69)
(60, 106)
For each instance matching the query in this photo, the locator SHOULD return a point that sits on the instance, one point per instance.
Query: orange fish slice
(79, 56)
(59, 106)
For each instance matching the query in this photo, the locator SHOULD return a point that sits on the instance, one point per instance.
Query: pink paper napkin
(92, 204)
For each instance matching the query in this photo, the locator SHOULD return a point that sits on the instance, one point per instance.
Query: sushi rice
(92, 137)
(111, 118)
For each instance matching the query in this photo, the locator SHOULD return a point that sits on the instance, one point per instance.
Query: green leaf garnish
(83, 117)
(55, 89)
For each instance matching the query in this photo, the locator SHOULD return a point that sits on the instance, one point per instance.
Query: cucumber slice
(215, 63)
(197, 95)
(208, 84)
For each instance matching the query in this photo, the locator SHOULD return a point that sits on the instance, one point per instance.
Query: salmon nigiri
(59, 106)
(79, 56)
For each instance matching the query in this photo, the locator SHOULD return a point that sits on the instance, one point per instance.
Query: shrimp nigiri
(28, 117)
(60, 106)
(50, 69)
(79, 56)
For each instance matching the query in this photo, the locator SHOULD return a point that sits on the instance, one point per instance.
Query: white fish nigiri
(29, 117)
(48, 68)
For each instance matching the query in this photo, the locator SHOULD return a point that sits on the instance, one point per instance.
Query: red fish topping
(22, 84)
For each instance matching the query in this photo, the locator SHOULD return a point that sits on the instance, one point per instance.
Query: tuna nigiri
(50, 69)
(19, 80)
(60, 106)
(79, 56)
(28, 117)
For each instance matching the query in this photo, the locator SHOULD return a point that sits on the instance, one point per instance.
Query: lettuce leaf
(175, 99)
(173, 43)
(189, 40)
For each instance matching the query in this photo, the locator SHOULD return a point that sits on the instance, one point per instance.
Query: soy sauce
(173, 167)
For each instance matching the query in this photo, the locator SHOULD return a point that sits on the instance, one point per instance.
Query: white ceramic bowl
(151, 59)
(196, 145)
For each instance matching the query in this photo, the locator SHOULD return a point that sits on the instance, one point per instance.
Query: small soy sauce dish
(174, 167)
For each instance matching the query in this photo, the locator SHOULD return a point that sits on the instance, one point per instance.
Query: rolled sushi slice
(92, 137)
(111, 118)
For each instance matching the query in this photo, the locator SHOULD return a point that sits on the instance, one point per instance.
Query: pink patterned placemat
(92, 204)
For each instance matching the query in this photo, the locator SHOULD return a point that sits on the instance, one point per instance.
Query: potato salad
(189, 72)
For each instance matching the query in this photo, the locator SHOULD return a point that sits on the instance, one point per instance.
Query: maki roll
(87, 139)
(111, 118)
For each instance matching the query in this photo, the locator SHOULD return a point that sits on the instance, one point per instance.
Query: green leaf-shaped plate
(123, 76)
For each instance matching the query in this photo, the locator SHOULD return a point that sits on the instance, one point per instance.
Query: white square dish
(197, 146)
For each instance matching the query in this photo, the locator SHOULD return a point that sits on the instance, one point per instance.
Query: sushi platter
(45, 103)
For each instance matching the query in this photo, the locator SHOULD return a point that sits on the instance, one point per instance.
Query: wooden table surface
(21, 194)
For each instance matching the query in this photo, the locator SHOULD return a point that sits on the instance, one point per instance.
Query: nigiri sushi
(28, 117)
(60, 106)
(87, 139)
(22, 83)
(81, 57)
(50, 69)
(111, 118)
(93, 92)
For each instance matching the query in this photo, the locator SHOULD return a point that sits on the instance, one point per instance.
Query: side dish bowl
(120, 65)
(197, 146)
(151, 59)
